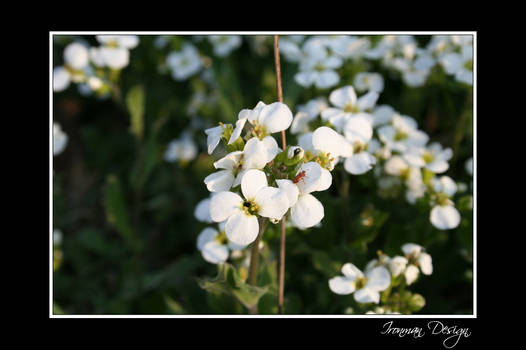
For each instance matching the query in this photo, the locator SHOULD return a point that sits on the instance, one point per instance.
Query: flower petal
(215, 253)
(358, 129)
(311, 180)
(378, 279)
(252, 182)
(307, 212)
(219, 181)
(327, 140)
(291, 189)
(350, 271)
(445, 217)
(343, 96)
(276, 117)
(207, 235)
(325, 180)
(426, 263)
(411, 274)
(202, 211)
(240, 124)
(411, 249)
(223, 205)
(359, 163)
(256, 154)
(367, 101)
(241, 228)
(341, 285)
(229, 161)
(273, 202)
(397, 265)
(367, 295)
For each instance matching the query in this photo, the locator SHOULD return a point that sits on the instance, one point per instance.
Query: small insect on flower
(299, 177)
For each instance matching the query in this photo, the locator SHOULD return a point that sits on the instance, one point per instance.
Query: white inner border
(474, 33)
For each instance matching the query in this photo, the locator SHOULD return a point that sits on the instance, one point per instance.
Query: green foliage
(229, 282)
(117, 212)
(135, 104)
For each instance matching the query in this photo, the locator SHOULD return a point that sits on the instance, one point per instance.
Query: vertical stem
(281, 279)
(278, 84)
(254, 255)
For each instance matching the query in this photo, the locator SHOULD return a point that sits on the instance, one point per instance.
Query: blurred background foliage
(129, 232)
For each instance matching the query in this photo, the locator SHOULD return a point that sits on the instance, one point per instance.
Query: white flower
(460, 64)
(214, 136)
(383, 114)
(402, 134)
(202, 211)
(125, 41)
(433, 157)
(358, 131)
(241, 214)
(317, 67)
(416, 258)
(224, 44)
(290, 49)
(60, 139)
(109, 56)
(348, 46)
(369, 82)
(469, 166)
(397, 265)
(306, 211)
(214, 246)
(76, 55)
(307, 113)
(61, 79)
(346, 105)
(255, 155)
(184, 63)
(183, 149)
(264, 119)
(444, 215)
(366, 288)
(57, 237)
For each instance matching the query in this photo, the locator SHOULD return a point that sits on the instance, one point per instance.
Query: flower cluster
(188, 61)
(319, 58)
(365, 136)
(95, 69)
(382, 276)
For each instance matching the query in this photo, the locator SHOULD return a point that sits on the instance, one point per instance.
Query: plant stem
(253, 269)
(281, 279)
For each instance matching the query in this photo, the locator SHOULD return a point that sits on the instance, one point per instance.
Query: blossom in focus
(264, 120)
(242, 225)
(306, 210)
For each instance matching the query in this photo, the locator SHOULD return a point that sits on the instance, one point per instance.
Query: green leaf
(174, 307)
(135, 104)
(229, 282)
(117, 212)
